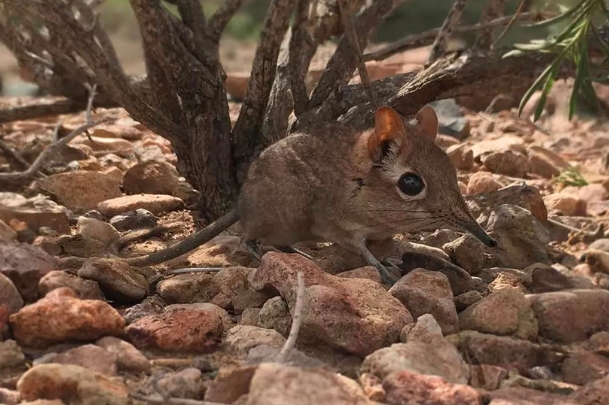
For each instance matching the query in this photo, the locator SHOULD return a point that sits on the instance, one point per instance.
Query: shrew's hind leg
(291, 249)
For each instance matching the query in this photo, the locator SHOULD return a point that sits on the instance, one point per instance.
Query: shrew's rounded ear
(388, 128)
(427, 122)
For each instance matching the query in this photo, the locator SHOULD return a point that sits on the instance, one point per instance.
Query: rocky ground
(524, 323)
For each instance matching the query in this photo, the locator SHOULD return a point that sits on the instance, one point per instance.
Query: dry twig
(41, 160)
(427, 37)
(493, 10)
(284, 354)
(351, 35)
(452, 20)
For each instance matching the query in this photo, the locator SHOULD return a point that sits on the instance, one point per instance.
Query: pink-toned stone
(60, 316)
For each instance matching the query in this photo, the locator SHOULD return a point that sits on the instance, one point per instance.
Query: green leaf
(513, 52)
(539, 82)
(558, 18)
(546, 90)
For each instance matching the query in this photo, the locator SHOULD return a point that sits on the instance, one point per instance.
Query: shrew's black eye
(411, 184)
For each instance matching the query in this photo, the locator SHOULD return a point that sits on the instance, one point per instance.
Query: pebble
(97, 231)
(583, 368)
(36, 212)
(183, 330)
(9, 397)
(151, 177)
(522, 240)
(407, 387)
(67, 381)
(81, 190)
(367, 272)
(594, 393)
(566, 203)
(466, 299)
(230, 384)
(89, 356)
(356, 315)
(60, 316)
(482, 182)
(520, 395)
(275, 384)
(11, 356)
(155, 203)
(7, 234)
(240, 339)
(586, 309)
(118, 280)
(275, 314)
(545, 163)
(466, 252)
(486, 376)
(503, 312)
(461, 156)
(507, 162)
(432, 355)
(128, 358)
(25, 265)
(187, 383)
(428, 292)
(9, 295)
(460, 280)
(85, 289)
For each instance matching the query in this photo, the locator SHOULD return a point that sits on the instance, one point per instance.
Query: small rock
(151, 177)
(275, 384)
(482, 182)
(466, 252)
(186, 330)
(152, 305)
(242, 338)
(545, 163)
(74, 383)
(131, 220)
(428, 292)
(81, 189)
(466, 299)
(600, 244)
(185, 288)
(11, 355)
(594, 393)
(97, 231)
(155, 203)
(461, 156)
(567, 203)
(9, 397)
(503, 312)
(9, 295)
(36, 212)
(367, 272)
(507, 280)
(426, 329)
(499, 350)
(522, 239)
(432, 355)
(118, 280)
(230, 384)
(25, 265)
(7, 234)
(85, 289)
(234, 288)
(60, 316)
(407, 387)
(249, 316)
(583, 368)
(598, 261)
(586, 311)
(547, 279)
(128, 358)
(356, 315)
(187, 383)
(275, 314)
(91, 357)
(486, 376)
(459, 279)
(526, 396)
(506, 162)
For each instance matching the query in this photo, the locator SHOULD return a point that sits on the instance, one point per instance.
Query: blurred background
(239, 40)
